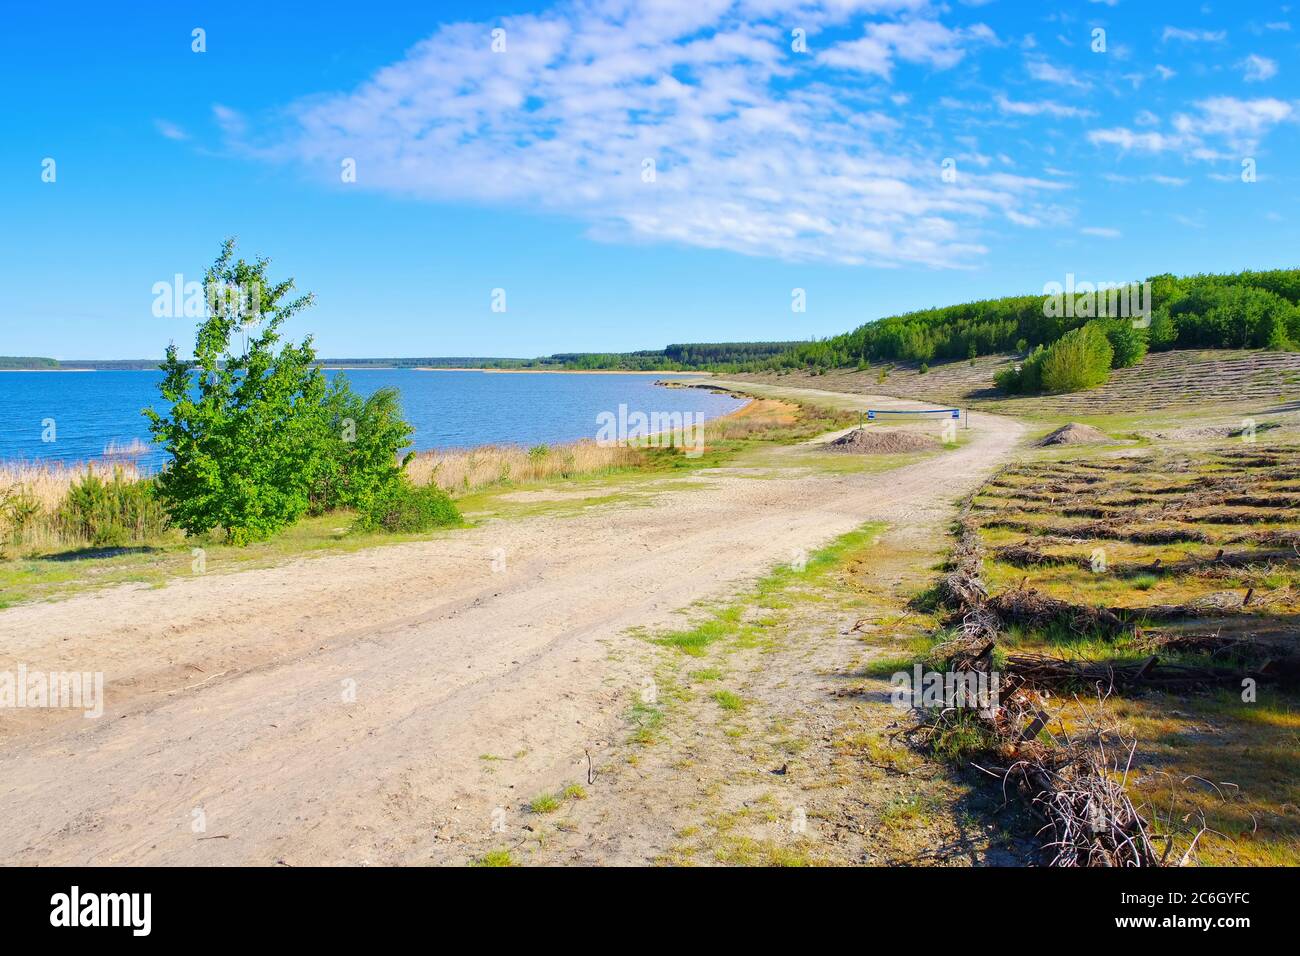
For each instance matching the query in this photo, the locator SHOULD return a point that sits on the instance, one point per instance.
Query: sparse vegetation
(1164, 591)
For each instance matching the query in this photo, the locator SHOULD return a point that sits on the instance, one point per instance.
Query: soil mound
(1074, 434)
(866, 441)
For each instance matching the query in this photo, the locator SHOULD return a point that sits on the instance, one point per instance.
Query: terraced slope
(1163, 380)
(1173, 575)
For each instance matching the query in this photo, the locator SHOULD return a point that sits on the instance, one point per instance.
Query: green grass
(780, 588)
(545, 803)
(728, 701)
(495, 858)
(60, 575)
(645, 720)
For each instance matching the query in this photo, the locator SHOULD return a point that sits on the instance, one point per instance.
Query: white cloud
(1046, 72)
(169, 130)
(1158, 178)
(1256, 68)
(1235, 123)
(756, 149)
(1127, 140)
(919, 41)
(1194, 36)
(1039, 108)
(1238, 121)
(1102, 232)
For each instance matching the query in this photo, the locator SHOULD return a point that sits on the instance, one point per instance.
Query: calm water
(447, 409)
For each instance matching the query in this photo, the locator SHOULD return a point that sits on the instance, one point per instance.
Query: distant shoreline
(48, 370)
(554, 371)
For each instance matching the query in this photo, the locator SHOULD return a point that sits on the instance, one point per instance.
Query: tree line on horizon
(1244, 310)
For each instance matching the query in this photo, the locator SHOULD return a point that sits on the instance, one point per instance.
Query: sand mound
(1074, 434)
(865, 441)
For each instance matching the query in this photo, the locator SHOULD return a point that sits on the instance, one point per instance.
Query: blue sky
(525, 168)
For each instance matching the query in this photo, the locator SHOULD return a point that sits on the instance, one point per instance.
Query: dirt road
(340, 710)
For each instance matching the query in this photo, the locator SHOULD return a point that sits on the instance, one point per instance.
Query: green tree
(1163, 333)
(1079, 359)
(258, 437)
(359, 445)
(1128, 342)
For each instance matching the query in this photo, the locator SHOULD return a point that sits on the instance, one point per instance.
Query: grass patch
(728, 701)
(780, 588)
(546, 803)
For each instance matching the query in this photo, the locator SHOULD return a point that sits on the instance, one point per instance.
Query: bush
(1079, 359)
(358, 448)
(1128, 342)
(19, 510)
(1025, 378)
(111, 513)
(402, 507)
(259, 438)
(1163, 333)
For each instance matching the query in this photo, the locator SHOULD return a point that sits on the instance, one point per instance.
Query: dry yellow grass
(459, 470)
(48, 482)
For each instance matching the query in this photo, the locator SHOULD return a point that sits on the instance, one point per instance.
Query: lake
(90, 410)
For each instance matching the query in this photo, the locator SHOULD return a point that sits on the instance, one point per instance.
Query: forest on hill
(1241, 310)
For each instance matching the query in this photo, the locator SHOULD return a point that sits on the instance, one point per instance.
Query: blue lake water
(90, 410)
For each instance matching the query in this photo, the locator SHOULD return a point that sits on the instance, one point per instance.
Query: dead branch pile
(1032, 608)
(1038, 670)
(1080, 791)
(1025, 555)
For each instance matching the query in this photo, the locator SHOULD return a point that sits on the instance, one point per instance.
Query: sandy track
(228, 696)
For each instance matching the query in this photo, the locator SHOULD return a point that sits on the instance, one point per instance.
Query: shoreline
(552, 371)
(147, 471)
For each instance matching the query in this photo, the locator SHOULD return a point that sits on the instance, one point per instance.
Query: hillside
(13, 362)
(1162, 380)
(1239, 310)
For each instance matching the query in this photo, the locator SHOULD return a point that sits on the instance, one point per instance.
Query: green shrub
(1078, 360)
(1128, 342)
(358, 448)
(111, 513)
(402, 507)
(257, 436)
(1163, 333)
(1026, 378)
(19, 510)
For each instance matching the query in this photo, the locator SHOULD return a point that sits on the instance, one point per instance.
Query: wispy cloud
(169, 130)
(925, 42)
(1193, 36)
(1218, 121)
(1047, 72)
(694, 123)
(1039, 108)
(1256, 68)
